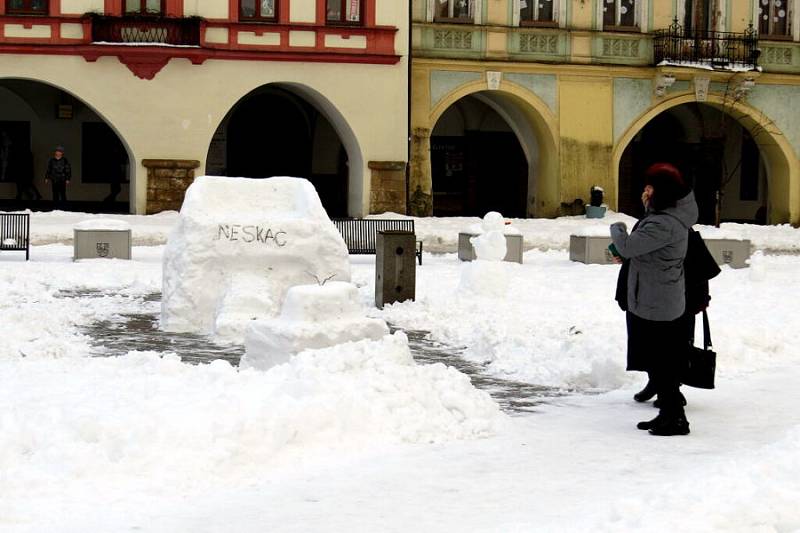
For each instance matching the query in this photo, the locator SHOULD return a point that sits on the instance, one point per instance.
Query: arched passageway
(478, 163)
(277, 131)
(738, 163)
(35, 117)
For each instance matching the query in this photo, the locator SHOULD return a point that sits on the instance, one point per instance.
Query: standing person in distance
(59, 173)
(656, 298)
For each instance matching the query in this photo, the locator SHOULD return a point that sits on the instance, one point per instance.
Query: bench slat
(360, 234)
(15, 226)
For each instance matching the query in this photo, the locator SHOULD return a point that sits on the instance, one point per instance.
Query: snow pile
(312, 317)
(102, 224)
(149, 421)
(9, 242)
(239, 245)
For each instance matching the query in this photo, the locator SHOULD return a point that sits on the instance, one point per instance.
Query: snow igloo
(238, 246)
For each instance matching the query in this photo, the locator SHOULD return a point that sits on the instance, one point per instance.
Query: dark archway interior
(35, 118)
(477, 163)
(717, 156)
(273, 132)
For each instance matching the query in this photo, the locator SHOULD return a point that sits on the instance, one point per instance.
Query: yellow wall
(585, 114)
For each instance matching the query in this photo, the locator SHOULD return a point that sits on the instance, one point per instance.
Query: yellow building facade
(523, 106)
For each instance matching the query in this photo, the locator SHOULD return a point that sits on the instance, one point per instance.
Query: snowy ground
(345, 440)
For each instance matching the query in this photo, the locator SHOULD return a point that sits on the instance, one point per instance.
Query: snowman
(488, 274)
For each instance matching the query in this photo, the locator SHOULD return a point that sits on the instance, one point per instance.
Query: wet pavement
(127, 332)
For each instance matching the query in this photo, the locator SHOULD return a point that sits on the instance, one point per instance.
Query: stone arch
(357, 181)
(783, 168)
(524, 111)
(132, 174)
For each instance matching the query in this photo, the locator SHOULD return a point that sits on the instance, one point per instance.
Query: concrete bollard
(395, 267)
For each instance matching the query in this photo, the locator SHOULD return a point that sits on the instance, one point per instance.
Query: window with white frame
(775, 17)
(457, 10)
(622, 14)
(533, 12)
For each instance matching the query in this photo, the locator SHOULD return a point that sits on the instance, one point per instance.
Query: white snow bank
(239, 245)
(103, 224)
(155, 422)
(312, 317)
(56, 226)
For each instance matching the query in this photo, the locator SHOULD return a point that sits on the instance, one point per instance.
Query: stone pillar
(387, 187)
(420, 190)
(167, 181)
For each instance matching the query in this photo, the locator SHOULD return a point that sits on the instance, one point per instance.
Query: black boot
(650, 423)
(669, 424)
(646, 393)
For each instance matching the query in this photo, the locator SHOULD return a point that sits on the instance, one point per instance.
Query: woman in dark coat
(656, 291)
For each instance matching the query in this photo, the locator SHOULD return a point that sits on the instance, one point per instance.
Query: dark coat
(58, 170)
(656, 250)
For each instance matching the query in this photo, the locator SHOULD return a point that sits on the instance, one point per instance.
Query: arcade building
(144, 95)
(522, 106)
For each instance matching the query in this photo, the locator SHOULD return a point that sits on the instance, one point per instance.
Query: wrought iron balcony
(715, 49)
(146, 30)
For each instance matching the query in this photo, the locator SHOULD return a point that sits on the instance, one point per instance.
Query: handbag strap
(706, 332)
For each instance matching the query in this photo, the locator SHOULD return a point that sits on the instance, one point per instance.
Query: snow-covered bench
(15, 233)
(360, 234)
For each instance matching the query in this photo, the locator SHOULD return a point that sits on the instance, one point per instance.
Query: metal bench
(15, 233)
(360, 233)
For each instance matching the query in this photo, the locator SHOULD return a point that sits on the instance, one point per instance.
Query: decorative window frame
(48, 11)
(720, 6)
(274, 18)
(477, 9)
(143, 8)
(362, 8)
(795, 22)
(559, 14)
(641, 14)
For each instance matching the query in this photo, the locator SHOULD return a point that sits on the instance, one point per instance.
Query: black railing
(146, 29)
(716, 49)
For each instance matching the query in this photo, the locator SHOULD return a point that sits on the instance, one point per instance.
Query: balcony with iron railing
(707, 49)
(146, 30)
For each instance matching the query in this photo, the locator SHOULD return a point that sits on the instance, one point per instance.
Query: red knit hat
(668, 185)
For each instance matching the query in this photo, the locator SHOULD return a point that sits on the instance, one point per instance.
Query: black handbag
(702, 362)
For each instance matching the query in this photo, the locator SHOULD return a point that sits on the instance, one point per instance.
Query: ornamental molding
(538, 44)
(621, 47)
(778, 56)
(452, 39)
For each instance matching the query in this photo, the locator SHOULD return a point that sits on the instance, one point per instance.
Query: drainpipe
(408, 108)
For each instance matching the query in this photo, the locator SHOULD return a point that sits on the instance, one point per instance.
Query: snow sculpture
(490, 245)
(312, 317)
(488, 274)
(238, 246)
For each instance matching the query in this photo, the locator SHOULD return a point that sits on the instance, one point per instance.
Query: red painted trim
(55, 30)
(113, 7)
(2, 11)
(233, 10)
(283, 11)
(54, 8)
(380, 40)
(321, 16)
(153, 55)
(174, 8)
